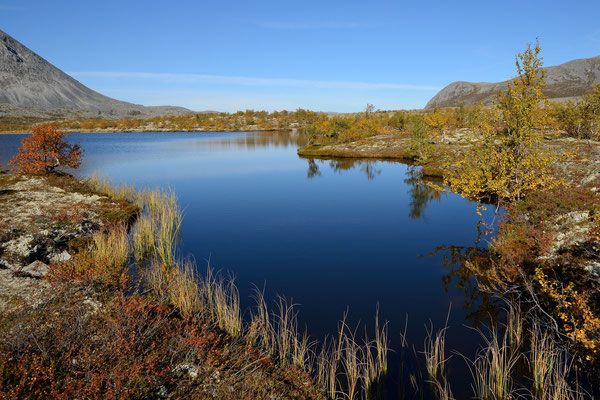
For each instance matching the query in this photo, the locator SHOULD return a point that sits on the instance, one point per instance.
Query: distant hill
(30, 85)
(563, 82)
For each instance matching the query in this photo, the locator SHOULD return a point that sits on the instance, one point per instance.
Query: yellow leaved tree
(509, 159)
(437, 120)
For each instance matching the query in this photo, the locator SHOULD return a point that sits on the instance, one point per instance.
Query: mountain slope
(27, 81)
(569, 80)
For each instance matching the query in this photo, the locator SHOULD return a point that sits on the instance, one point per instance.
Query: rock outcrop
(42, 218)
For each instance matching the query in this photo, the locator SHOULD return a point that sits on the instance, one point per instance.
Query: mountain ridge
(29, 84)
(565, 81)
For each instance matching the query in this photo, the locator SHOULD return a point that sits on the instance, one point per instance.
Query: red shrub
(45, 150)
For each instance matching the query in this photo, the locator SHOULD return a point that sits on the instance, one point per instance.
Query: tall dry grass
(183, 289)
(344, 366)
(118, 192)
(111, 248)
(492, 369)
(220, 301)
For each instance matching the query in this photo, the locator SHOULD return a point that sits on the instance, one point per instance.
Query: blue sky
(321, 55)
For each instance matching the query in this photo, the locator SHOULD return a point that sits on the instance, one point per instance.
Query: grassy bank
(142, 323)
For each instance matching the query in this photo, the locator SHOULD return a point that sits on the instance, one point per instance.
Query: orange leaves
(45, 150)
(574, 310)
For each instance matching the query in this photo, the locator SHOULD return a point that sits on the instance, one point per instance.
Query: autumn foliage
(45, 150)
(510, 162)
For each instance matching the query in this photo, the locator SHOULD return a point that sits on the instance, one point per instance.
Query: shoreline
(81, 283)
(26, 132)
(387, 147)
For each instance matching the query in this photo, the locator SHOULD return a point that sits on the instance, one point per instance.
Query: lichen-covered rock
(62, 257)
(36, 269)
(593, 269)
(40, 216)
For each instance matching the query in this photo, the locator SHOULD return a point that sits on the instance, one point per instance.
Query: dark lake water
(328, 234)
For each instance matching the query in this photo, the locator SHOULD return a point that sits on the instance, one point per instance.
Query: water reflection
(339, 165)
(420, 191)
(463, 263)
(313, 169)
(270, 139)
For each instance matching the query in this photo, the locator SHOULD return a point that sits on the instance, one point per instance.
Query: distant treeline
(579, 120)
(239, 121)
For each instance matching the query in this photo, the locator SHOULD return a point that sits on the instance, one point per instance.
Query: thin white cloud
(315, 25)
(249, 81)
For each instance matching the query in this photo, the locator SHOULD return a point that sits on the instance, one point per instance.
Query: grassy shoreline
(117, 315)
(259, 357)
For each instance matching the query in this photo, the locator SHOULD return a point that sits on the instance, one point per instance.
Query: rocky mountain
(563, 82)
(30, 85)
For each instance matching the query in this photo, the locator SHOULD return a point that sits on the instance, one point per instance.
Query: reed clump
(435, 357)
(159, 226)
(155, 234)
(143, 238)
(550, 367)
(492, 369)
(542, 358)
(515, 322)
(183, 289)
(435, 362)
(118, 192)
(220, 302)
(344, 366)
(111, 248)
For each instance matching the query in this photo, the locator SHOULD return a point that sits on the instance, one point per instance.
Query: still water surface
(330, 235)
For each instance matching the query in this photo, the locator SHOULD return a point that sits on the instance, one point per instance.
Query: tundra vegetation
(127, 318)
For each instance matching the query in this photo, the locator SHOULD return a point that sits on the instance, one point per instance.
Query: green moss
(117, 211)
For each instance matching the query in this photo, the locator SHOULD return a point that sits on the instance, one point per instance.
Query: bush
(581, 120)
(45, 150)
(420, 138)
